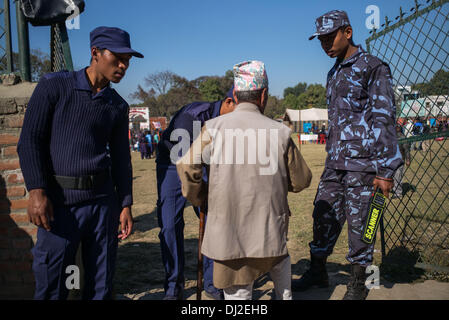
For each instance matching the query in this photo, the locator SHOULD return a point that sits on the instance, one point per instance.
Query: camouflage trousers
(342, 196)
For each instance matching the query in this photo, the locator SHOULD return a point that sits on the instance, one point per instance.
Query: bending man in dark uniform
(170, 205)
(79, 190)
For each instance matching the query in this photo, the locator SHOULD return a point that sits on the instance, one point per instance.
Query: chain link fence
(5, 39)
(61, 58)
(60, 55)
(415, 227)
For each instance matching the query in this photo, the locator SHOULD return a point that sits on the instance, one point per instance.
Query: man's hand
(386, 185)
(126, 223)
(40, 209)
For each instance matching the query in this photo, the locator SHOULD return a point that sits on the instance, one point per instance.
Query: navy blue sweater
(68, 130)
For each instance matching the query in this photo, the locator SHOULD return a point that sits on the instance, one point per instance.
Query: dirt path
(140, 273)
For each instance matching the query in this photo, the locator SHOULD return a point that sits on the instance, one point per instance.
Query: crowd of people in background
(145, 142)
(423, 126)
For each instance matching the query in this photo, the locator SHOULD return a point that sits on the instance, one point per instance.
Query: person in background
(149, 142)
(143, 146)
(404, 147)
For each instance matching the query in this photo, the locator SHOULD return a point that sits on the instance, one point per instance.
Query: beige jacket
(248, 183)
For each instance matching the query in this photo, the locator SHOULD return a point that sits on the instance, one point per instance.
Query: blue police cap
(329, 22)
(229, 94)
(113, 39)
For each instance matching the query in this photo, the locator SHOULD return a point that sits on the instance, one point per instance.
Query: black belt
(83, 183)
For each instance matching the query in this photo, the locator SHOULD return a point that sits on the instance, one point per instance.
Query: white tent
(295, 118)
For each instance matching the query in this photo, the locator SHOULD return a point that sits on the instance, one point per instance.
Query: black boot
(357, 289)
(315, 276)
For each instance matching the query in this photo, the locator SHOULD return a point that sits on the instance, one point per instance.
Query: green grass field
(140, 271)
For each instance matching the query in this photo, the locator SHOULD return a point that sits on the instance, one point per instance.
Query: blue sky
(207, 37)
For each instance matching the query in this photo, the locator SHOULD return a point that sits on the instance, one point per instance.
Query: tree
(274, 109)
(141, 94)
(39, 61)
(296, 90)
(438, 85)
(291, 101)
(160, 82)
(313, 97)
(210, 90)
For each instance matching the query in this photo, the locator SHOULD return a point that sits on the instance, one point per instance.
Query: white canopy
(313, 114)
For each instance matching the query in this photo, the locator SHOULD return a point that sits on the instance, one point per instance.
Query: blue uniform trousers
(342, 196)
(94, 225)
(170, 209)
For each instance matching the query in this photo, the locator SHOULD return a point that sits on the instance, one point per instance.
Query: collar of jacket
(354, 57)
(247, 106)
(81, 83)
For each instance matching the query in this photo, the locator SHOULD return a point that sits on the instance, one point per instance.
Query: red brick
(5, 267)
(13, 192)
(22, 244)
(23, 266)
(19, 218)
(9, 152)
(13, 278)
(28, 278)
(15, 121)
(5, 205)
(19, 204)
(6, 221)
(16, 255)
(5, 243)
(15, 178)
(9, 164)
(24, 231)
(8, 139)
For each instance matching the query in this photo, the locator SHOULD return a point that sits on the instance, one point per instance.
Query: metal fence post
(24, 44)
(8, 43)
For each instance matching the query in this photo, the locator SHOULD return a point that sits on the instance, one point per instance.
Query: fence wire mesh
(415, 226)
(4, 45)
(60, 52)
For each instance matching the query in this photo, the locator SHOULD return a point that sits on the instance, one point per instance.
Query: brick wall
(17, 235)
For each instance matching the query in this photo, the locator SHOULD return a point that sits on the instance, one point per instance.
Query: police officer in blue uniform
(75, 158)
(362, 152)
(170, 205)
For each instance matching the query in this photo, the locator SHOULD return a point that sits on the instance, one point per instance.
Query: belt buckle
(89, 182)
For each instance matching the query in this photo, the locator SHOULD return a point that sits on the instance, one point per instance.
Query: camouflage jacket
(362, 113)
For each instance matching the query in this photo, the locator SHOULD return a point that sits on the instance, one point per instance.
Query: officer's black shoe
(180, 296)
(315, 276)
(357, 289)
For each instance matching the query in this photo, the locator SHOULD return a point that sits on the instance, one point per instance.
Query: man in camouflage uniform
(362, 148)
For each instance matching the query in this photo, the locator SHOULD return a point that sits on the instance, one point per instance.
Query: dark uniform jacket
(362, 112)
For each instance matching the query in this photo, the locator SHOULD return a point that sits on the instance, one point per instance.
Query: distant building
(158, 123)
(425, 107)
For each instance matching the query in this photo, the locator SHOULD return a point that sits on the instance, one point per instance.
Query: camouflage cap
(329, 22)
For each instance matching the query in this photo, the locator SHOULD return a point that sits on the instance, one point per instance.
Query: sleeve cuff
(385, 173)
(127, 201)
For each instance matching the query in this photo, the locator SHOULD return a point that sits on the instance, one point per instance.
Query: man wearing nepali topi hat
(253, 163)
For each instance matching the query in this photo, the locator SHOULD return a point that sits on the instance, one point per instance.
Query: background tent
(295, 119)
